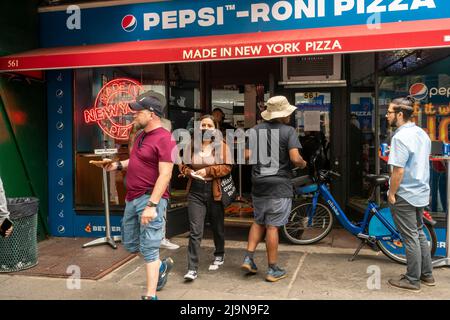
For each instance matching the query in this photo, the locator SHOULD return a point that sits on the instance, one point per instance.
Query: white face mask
(356, 123)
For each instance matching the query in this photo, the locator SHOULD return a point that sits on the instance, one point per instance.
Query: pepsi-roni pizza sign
(180, 18)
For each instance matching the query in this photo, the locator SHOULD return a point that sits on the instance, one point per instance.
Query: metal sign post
(445, 262)
(107, 239)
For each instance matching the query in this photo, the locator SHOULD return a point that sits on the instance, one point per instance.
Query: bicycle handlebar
(337, 175)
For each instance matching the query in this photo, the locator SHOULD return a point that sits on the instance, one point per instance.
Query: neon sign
(111, 110)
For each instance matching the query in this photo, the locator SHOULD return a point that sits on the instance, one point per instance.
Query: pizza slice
(101, 163)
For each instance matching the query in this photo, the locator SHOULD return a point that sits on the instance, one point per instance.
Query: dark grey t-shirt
(271, 175)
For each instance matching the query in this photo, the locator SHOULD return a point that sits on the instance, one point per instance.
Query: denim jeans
(409, 222)
(143, 238)
(200, 203)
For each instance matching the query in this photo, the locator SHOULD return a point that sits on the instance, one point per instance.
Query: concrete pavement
(314, 272)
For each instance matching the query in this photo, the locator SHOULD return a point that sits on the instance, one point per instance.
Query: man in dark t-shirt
(149, 170)
(273, 149)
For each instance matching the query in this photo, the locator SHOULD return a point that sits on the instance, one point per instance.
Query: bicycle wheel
(298, 230)
(395, 250)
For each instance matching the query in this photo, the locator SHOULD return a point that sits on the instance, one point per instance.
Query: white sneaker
(191, 275)
(166, 244)
(218, 261)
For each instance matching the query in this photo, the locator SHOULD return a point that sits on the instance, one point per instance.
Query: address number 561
(13, 63)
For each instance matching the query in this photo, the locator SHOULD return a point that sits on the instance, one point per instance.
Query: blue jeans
(143, 238)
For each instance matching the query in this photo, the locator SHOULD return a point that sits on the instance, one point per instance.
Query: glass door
(312, 122)
(321, 123)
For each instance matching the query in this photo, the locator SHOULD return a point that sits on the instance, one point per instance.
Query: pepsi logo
(129, 23)
(59, 93)
(418, 91)
(59, 125)
(60, 163)
(60, 197)
(61, 229)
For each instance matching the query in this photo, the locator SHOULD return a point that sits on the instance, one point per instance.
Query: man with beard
(149, 170)
(409, 192)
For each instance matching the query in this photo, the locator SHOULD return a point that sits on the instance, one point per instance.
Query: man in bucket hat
(271, 186)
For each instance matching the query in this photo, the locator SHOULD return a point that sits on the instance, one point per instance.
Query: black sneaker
(428, 281)
(404, 284)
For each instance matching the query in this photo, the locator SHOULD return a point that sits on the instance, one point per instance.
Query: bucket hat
(277, 107)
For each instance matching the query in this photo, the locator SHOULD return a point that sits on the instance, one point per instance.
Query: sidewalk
(314, 272)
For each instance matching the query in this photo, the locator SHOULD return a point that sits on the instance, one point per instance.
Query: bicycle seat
(375, 180)
(301, 181)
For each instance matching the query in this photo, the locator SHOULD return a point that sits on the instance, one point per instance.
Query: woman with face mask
(210, 162)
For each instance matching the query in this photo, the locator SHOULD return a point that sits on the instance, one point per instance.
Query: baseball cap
(151, 101)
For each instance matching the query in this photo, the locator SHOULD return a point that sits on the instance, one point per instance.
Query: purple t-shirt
(148, 150)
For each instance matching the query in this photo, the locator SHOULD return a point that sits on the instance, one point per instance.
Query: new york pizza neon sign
(111, 110)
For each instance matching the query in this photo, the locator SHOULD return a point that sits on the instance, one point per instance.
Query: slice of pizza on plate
(101, 163)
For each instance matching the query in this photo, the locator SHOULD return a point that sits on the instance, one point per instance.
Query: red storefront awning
(361, 38)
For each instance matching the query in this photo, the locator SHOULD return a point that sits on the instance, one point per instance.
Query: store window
(230, 99)
(96, 129)
(184, 110)
(424, 75)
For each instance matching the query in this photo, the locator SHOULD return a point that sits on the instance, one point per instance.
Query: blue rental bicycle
(312, 220)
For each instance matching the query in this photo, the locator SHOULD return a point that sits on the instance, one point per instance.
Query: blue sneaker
(167, 265)
(275, 274)
(249, 265)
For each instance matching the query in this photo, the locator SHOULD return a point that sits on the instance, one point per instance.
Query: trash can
(19, 251)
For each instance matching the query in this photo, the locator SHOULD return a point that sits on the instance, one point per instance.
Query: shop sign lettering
(111, 110)
(274, 12)
(270, 49)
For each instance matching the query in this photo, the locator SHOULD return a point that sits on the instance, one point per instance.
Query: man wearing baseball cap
(149, 170)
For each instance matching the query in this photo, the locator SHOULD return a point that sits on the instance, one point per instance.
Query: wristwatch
(119, 165)
(152, 204)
